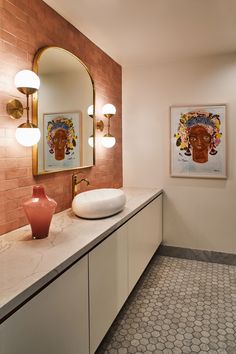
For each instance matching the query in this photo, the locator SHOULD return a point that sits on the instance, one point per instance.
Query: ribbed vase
(39, 211)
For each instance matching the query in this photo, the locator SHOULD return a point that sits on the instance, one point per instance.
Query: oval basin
(99, 203)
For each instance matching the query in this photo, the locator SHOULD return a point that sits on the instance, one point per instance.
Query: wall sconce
(108, 110)
(27, 82)
(99, 125)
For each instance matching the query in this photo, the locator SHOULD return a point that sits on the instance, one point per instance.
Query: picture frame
(62, 141)
(198, 141)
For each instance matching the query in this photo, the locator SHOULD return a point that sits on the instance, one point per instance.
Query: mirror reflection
(60, 110)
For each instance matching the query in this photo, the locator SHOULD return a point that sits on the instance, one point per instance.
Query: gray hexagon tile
(178, 306)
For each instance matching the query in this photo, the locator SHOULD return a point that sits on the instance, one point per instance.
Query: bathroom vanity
(61, 294)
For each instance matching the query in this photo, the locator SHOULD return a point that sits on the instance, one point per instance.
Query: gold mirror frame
(35, 158)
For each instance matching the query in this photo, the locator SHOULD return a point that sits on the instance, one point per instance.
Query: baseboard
(199, 255)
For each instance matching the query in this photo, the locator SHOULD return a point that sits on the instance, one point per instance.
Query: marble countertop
(26, 265)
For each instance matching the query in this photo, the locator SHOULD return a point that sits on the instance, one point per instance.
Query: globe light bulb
(108, 141)
(90, 110)
(108, 109)
(27, 79)
(91, 141)
(27, 136)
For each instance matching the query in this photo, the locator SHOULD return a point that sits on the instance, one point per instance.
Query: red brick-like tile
(21, 35)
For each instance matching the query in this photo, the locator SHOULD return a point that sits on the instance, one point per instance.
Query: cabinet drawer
(54, 321)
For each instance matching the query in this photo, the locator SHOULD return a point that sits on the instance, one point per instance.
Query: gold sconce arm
(108, 141)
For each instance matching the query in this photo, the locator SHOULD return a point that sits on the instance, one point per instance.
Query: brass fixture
(99, 123)
(27, 82)
(99, 126)
(108, 111)
(75, 183)
(15, 109)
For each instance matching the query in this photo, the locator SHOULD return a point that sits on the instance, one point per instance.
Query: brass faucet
(75, 183)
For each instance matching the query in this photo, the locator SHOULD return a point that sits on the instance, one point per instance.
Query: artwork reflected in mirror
(60, 111)
(62, 140)
(198, 141)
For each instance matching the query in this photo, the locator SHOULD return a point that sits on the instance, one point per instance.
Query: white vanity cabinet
(108, 283)
(53, 322)
(144, 237)
(73, 313)
(116, 264)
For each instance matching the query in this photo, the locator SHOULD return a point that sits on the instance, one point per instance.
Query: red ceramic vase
(39, 211)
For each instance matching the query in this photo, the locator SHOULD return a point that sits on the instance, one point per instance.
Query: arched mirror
(60, 109)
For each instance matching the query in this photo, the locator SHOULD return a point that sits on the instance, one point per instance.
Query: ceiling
(141, 32)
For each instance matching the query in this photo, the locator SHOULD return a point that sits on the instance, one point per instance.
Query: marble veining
(27, 265)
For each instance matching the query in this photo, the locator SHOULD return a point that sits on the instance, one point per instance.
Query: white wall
(198, 213)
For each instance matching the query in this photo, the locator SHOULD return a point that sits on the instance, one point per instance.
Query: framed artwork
(198, 141)
(62, 134)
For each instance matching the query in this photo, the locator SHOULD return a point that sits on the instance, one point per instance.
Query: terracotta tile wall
(25, 26)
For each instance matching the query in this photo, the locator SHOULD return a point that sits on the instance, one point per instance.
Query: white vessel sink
(99, 203)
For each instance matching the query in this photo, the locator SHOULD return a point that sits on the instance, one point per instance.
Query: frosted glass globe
(90, 141)
(108, 109)
(108, 141)
(90, 110)
(27, 78)
(28, 136)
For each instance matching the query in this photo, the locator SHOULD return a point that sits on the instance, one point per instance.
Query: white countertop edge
(12, 304)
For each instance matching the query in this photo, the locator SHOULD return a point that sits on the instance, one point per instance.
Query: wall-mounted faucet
(75, 183)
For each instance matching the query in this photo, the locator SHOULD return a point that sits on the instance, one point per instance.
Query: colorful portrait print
(62, 141)
(198, 141)
(198, 134)
(61, 137)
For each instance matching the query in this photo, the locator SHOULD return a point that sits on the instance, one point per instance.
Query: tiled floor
(179, 306)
